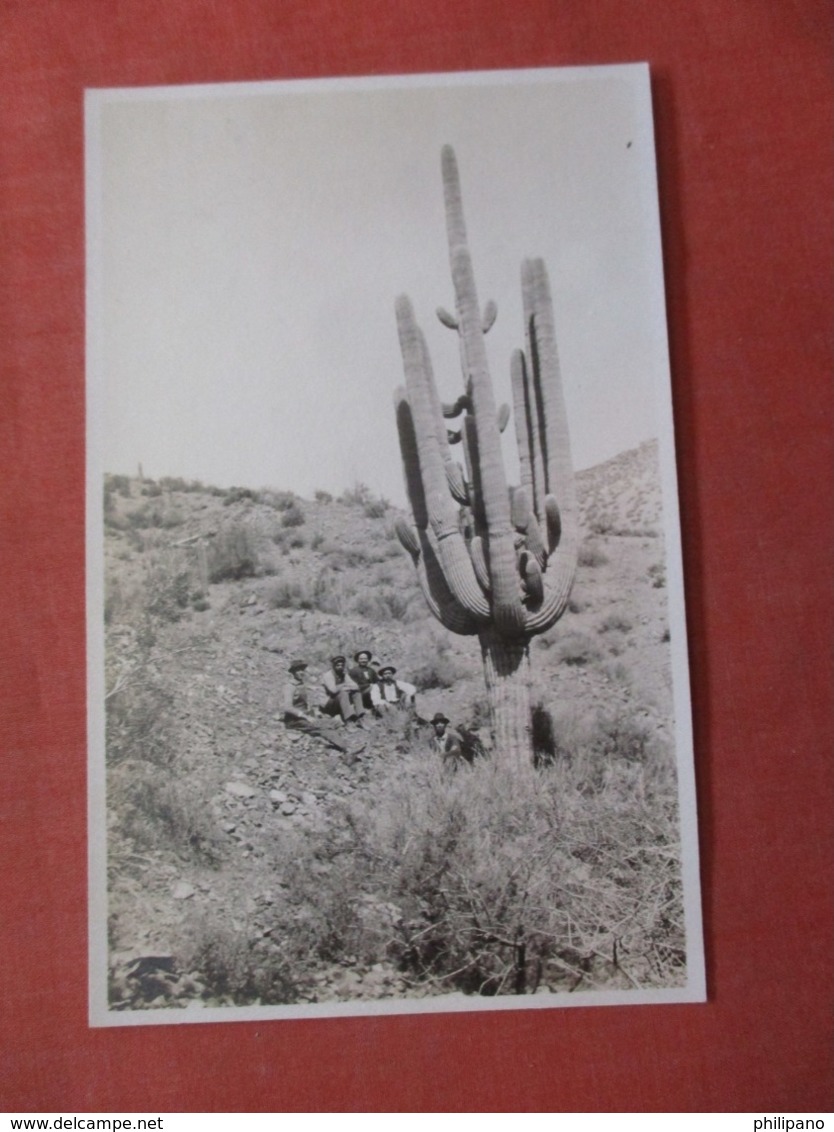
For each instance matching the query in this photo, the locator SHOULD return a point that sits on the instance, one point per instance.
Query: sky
(246, 245)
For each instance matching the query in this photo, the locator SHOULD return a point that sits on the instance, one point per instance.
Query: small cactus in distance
(491, 562)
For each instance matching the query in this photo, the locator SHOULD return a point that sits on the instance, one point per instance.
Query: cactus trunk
(507, 677)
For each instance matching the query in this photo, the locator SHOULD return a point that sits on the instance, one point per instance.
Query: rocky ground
(209, 594)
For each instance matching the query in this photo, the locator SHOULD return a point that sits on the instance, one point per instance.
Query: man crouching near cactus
(343, 695)
(296, 707)
(446, 741)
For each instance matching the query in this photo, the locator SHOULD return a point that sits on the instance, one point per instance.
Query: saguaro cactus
(491, 562)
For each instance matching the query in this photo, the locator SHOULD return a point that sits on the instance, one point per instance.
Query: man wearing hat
(390, 692)
(364, 675)
(446, 741)
(297, 707)
(343, 695)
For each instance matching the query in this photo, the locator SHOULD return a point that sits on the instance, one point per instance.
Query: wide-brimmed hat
(296, 664)
(439, 717)
(363, 652)
(386, 668)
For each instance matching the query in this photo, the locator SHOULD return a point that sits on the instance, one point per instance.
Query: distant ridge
(623, 494)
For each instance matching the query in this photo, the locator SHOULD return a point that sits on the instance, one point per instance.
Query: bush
(356, 496)
(577, 649)
(590, 554)
(616, 621)
(233, 554)
(491, 883)
(376, 508)
(657, 573)
(153, 807)
(118, 484)
(323, 497)
(440, 671)
(238, 495)
(233, 965)
(384, 603)
(293, 516)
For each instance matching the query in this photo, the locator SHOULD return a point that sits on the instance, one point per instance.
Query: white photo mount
(245, 245)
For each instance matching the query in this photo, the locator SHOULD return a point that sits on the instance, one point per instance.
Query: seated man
(297, 707)
(343, 695)
(389, 692)
(364, 675)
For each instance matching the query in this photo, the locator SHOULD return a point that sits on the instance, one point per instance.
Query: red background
(742, 95)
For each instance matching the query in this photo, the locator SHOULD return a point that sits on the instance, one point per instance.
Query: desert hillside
(252, 864)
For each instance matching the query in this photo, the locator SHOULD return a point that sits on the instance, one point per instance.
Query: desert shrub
(491, 883)
(439, 671)
(297, 541)
(356, 496)
(234, 966)
(322, 593)
(152, 806)
(590, 554)
(280, 500)
(383, 603)
(287, 594)
(657, 573)
(576, 649)
(317, 541)
(167, 591)
(173, 483)
(376, 508)
(617, 622)
(323, 497)
(152, 490)
(139, 718)
(118, 484)
(154, 515)
(233, 554)
(238, 495)
(293, 516)
(602, 524)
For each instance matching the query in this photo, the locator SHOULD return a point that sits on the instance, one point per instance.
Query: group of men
(351, 694)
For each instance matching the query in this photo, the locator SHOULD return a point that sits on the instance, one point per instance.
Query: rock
(288, 808)
(277, 796)
(183, 890)
(240, 789)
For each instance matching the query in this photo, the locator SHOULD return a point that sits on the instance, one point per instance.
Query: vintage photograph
(388, 690)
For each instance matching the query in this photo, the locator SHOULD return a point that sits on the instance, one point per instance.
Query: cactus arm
(454, 410)
(507, 609)
(489, 316)
(441, 601)
(409, 539)
(447, 319)
(556, 591)
(457, 483)
(473, 464)
(560, 502)
(476, 551)
(427, 422)
(553, 518)
(523, 438)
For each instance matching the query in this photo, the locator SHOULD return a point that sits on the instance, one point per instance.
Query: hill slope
(213, 804)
